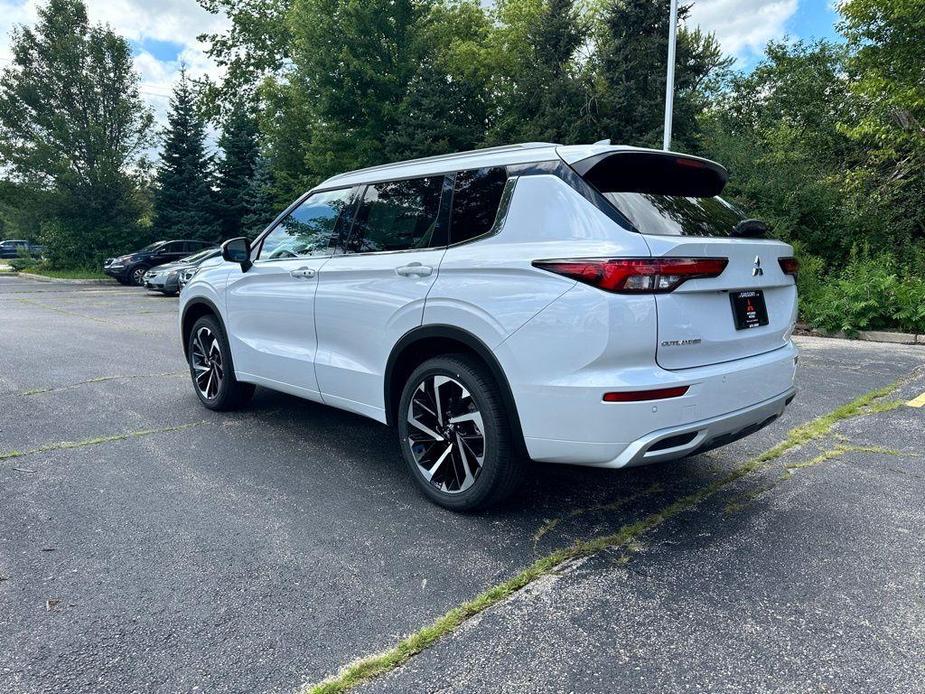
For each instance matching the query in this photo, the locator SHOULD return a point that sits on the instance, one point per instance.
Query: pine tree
(185, 203)
(236, 169)
(629, 73)
(544, 99)
(259, 200)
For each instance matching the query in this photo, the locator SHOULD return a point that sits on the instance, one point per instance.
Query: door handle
(302, 273)
(414, 269)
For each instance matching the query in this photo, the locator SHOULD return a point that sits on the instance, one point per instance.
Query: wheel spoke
(430, 432)
(469, 478)
(474, 417)
(429, 472)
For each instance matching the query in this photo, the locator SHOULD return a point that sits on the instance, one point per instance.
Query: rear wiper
(750, 229)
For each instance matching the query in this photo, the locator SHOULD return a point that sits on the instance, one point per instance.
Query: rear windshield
(663, 193)
(673, 215)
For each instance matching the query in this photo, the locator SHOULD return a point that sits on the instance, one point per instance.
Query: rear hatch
(672, 200)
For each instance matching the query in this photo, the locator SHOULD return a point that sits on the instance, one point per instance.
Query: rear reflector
(635, 275)
(790, 266)
(640, 395)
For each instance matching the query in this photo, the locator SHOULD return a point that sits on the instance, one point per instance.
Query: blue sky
(163, 32)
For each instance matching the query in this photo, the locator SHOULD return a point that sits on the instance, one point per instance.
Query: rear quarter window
(477, 196)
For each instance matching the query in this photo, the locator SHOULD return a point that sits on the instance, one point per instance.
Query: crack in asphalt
(74, 314)
(370, 667)
(64, 445)
(90, 381)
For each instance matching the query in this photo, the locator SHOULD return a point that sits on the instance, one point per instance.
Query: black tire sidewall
(478, 381)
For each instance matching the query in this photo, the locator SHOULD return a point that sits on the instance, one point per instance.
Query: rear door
(372, 291)
(672, 201)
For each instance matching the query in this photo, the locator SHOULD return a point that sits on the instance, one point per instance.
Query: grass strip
(64, 445)
(98, 379)
(370, 667)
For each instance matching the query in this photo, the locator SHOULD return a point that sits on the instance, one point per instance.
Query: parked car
(591, 304)
(131, 268)
(12, 248)
(186, 275)
(166, 278)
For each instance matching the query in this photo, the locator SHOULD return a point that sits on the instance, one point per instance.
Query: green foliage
(259, 200)
(236, 169)
(185, 204)
(870, 293)
(22, 263)
(888, 83)
(72, 127)
(254, 48)
(629, 74)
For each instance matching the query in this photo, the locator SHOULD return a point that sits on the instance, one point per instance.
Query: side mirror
(238, 251)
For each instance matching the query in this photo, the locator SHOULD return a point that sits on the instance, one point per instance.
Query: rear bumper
(724, 402)
(698, 437)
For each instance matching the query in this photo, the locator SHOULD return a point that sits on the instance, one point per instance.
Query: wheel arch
(193, 311)
(422, 343)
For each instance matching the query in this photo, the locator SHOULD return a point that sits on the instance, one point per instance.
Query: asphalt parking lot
(147, 544)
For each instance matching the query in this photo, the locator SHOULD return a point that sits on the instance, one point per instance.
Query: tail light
(790, 266)
(635, 275)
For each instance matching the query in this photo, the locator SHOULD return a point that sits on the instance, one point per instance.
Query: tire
(209, 358)
(448, 379)
(136, 275)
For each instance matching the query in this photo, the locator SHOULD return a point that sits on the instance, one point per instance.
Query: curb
(61, 280)
(885, 336)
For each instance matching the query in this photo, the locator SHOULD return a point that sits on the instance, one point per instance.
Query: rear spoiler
(652, 172)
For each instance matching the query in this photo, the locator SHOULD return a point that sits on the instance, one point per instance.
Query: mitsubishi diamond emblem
(757, 271)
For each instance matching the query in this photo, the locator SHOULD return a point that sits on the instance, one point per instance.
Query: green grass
(67, 274)
(95, 441)
(365, 669)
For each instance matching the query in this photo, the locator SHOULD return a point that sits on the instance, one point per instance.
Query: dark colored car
(131, 268)
(12, 248)
(166, 278)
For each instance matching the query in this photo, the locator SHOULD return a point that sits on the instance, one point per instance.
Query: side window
(307, 230)
(173, 247)
(476, 198)
(398, 216)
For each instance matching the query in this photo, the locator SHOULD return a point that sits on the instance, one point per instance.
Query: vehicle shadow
(556, 506)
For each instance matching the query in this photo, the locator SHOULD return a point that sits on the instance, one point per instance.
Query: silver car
(166, 278)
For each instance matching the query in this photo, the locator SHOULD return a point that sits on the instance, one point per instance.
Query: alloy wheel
(446, 434)
(206, 360)
(138, 275)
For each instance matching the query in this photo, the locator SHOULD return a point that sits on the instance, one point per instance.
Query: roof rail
(452, 155)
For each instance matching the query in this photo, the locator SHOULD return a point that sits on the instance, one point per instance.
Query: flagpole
(669, 82)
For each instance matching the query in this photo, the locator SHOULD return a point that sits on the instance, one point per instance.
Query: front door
(270, 307)
(372, 291)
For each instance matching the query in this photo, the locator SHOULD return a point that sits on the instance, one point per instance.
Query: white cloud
(743, 27)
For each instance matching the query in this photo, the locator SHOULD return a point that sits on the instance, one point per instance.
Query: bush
(23, 261)
(870, 293)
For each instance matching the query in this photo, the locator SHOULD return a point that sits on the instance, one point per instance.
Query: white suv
(596, 305)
